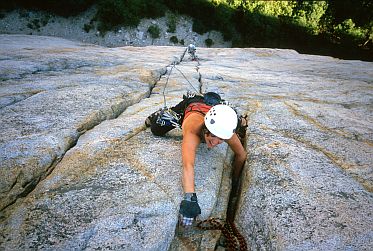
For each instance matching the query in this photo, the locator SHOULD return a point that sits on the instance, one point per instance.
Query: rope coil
(235, 240)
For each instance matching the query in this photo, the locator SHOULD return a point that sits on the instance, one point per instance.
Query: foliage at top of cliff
(342, 28)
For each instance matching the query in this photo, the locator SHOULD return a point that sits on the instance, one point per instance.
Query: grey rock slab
(45, 111)
(306, 186)
(118, 187)
(58, 117)
(94, 214)
(116, 192)
(307, 181)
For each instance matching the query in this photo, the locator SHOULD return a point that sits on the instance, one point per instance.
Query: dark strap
(199, 107)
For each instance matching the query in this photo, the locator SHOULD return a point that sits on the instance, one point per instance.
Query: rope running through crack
(234, 239)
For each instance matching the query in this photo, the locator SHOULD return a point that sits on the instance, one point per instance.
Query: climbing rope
(234, 239)
(197, 91)
(168, 77)
(165, 86)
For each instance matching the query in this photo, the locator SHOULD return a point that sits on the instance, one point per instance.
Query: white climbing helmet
(221, 120)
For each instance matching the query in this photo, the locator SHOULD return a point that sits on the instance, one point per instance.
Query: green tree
(350, 32)
(154, 31)
(309, 15)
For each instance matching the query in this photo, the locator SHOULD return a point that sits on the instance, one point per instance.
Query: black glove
(189, 209)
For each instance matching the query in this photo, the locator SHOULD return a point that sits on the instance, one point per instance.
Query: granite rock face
(81, 171)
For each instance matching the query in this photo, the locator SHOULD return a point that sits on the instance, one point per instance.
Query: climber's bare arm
(191, 128)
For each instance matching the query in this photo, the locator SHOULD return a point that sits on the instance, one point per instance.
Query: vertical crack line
(182, 55)
(162, 72)
(31, 186)
(89, 125)
(236, 188)
(199, 79)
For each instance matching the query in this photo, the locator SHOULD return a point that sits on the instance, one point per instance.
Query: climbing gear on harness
(152, 118)
(189, 209)
(189, 95)
(174, 117)
(164, 117)
(225, 102)
(234, 239)
(221, 120)
(168, 117)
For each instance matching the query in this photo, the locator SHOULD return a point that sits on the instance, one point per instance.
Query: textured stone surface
(54, 90)
(88, 174)
(116, 187)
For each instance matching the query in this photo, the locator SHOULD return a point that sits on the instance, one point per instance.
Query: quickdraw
(235, 240)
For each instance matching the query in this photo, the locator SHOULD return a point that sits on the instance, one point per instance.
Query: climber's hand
(189, 209)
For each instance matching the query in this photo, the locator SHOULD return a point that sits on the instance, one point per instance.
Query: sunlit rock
(81, 171)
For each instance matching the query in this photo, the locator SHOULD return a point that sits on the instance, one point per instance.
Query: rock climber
(203, 119)
(192, 51)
